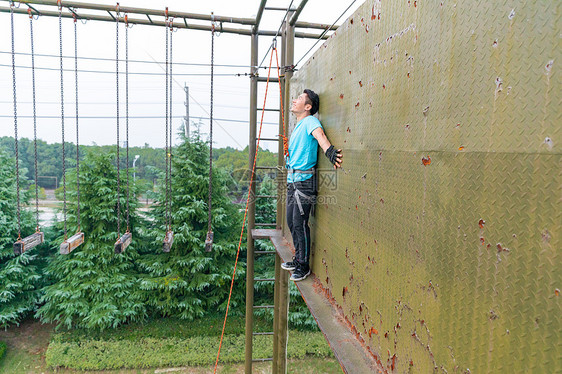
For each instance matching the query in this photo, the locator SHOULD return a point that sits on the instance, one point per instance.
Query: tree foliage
(188, 282)
(19, 275)
(93, 287)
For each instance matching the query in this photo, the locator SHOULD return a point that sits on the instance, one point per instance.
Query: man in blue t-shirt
(307, 135)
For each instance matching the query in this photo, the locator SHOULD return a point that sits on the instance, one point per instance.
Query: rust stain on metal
(501, 248)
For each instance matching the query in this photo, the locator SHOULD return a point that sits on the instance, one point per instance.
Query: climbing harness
(68, 245)
(22, 245)
(297, 193)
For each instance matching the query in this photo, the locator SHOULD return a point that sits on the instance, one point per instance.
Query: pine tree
(19, 276)
(92, 286)
(188, 282)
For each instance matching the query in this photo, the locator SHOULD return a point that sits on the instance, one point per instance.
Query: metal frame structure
(250, 27)
(73, 6)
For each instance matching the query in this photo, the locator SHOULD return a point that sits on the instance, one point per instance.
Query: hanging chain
(170, 133)
(62, 121)
(117, 117)
(16, 121)
(77, 137)
(127, 111)
(167, 208)
(34, 119)
(211, 127)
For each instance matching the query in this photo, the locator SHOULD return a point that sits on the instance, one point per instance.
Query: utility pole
(186, 103)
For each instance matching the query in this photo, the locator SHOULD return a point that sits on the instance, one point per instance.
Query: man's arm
(325, 144)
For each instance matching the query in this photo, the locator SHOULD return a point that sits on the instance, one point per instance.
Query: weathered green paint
(475, 86)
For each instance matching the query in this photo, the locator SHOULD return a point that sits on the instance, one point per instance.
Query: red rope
(245, 212)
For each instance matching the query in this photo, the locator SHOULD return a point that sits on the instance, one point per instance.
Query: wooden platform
(353, 357)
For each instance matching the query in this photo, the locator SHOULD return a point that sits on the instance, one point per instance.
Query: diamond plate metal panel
(451, 264)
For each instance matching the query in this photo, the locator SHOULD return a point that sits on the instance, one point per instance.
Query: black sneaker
(301, 272)
(291, 265)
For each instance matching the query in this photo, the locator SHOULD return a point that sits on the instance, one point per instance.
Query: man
(307, 135)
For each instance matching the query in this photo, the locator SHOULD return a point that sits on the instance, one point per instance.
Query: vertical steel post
(282, 277)
(278, 275)
(281, 175)
(284, 283)
(251, 206)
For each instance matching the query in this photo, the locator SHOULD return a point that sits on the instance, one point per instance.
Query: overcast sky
(97, 95)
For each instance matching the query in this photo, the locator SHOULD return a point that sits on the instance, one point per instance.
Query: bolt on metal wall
(441, 237)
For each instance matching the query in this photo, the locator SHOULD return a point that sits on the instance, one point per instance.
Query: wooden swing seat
(123, 242)
(209, 241)
(71, 243)
(25, 244)
(168, 241)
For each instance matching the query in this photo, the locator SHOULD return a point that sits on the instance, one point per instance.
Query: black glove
(332, 154)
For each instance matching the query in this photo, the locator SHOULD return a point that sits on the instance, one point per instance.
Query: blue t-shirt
(303, 148)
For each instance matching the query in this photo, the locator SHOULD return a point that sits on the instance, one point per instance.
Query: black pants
(297, 220)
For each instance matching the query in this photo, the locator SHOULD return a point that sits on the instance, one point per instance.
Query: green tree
(93, 287)
(188, 282)
(19, 275)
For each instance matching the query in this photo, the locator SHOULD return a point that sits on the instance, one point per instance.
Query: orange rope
(284, 135)
(245, 214)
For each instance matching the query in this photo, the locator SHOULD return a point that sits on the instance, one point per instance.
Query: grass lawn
(28, 343)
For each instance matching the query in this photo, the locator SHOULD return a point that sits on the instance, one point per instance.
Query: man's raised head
(313, 100)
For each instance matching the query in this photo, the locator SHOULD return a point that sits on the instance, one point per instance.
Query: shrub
(151, 352)
(3, 349)
(188, 282)
(93, 287)
(19, 276)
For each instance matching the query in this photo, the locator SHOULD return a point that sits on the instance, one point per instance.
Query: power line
(324, 33)
(113, 103)
(113, 72)
(200, 106)
(136, 117)
(136, 61)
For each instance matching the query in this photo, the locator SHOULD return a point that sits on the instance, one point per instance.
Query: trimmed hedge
(195, 351)
(3, 349)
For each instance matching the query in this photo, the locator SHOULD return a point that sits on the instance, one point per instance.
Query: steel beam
(259, 15)
(150, 22)
(133, 21)
(310, 25)
(251, 207)
(295, 16)
(144, 11)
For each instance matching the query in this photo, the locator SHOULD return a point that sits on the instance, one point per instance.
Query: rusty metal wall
(441, 239)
